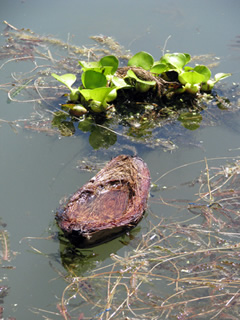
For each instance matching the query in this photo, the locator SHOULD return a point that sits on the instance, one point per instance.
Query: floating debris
(112, 201)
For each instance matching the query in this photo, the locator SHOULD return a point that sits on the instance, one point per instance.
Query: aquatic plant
(140, 94)
(5, 257)
(102, 79)
(68, 79)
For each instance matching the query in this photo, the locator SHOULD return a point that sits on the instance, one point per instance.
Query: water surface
(38, 169)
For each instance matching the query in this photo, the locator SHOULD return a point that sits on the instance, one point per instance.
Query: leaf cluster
(101, 80)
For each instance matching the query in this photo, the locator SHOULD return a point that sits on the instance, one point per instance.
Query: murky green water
(37, 169)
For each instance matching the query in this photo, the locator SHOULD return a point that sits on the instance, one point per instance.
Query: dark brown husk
(111, 202)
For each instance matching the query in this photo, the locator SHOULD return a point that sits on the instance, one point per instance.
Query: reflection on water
(182, 260)
(235, 43)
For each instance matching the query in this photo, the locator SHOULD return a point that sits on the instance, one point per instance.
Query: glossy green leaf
(176, 60)
(74, 95)
(191, 77)
(112, 95)
(68, 79)
(187, 57)
(89, 65)
(207, 86)
(141, 59)
(120, 83)
(96, 106)
(96, 66)
(140, 85)
(78, 110)
(220, 76)
(98, 94)
(159, 68)
(187, 68)
(132, 75)
(191, 88)
(68, 105)
(110, 61)
(92, 79)
(203, 70)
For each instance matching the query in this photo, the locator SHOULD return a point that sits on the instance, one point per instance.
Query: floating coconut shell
(111, 202)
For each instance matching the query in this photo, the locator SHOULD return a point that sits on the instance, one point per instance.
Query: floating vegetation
(170, 76)
(139, 117)
(5, 253)
(5, 258)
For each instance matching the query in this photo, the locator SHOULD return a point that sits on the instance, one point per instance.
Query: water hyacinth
(102, 79)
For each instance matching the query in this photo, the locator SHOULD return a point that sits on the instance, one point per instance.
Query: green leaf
(68, 105)
(96, 66)
(112, 95)
(191, 77)
(89, 65)
(188, 57)
(191, 88)
(78, 110)
(187, 68)
(132, 75)
(98, 94)
(141, 85)
(110, 61)
(220, 76)
(120, 83)
(159, 68)
(74, 95)
(92, 79)
(176, 60)
(96, 106)
(203, 70)
(141, 59)
(68, 79)
(207, 86)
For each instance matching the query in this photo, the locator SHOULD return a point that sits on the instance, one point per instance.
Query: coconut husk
(111, 202)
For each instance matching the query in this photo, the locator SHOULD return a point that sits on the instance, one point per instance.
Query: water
(37, 169)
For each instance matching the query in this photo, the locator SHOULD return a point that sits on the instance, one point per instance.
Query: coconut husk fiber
(111, 202)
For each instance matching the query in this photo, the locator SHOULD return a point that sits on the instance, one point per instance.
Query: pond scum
(177, 270)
